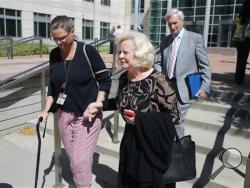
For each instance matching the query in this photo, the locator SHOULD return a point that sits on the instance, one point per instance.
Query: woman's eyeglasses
(61, 39)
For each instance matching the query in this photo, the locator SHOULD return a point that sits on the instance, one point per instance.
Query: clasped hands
(93, 109)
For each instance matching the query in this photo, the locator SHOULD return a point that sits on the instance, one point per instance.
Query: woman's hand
(92, 109)
(129, 116)
(44, 115)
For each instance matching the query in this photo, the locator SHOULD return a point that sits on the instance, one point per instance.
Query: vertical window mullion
(4, 21)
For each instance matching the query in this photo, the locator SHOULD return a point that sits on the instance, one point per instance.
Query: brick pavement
(223, 63)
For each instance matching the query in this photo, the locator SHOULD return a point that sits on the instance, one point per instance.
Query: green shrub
(103, 49)
(34, 49)
(26, 49)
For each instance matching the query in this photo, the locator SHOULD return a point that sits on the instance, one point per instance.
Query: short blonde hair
(63, 22)
(144, 50)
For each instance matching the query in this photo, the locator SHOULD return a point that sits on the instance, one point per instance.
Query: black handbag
(182, 166)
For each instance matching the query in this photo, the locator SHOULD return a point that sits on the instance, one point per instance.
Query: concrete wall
(78, 9)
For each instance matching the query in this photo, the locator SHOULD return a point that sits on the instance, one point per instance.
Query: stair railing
(9, 47)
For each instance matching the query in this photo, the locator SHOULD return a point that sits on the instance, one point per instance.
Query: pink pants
(79, 138)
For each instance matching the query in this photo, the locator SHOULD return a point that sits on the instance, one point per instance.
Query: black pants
(243, 48)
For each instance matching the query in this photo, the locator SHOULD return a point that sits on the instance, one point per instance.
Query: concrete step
(203, 134)
(210, 105)
(239, 113)
(230, 95)
(207, 140)
(215, 120)
(105, 146)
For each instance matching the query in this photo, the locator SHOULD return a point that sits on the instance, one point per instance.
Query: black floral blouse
(152, 94)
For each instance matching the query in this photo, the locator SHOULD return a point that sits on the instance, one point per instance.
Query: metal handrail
(19, 77)
(9, 47)
(97, 41)
(6, 38)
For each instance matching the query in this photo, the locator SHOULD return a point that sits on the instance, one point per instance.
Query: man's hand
(201, 94)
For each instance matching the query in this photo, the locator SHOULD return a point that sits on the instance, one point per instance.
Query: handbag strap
(178, 140)
(90, 66)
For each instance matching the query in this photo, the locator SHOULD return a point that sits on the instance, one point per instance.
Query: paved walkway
(222, 62)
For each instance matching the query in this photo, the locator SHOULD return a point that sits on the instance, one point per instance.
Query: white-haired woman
(148, 105)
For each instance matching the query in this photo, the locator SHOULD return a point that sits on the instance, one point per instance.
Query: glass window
(41, 25)
(200, 11)
(224, 2)
(10, 27)
(87, 29)
(90, 0)
(201, 3)
(10, 22)
(105, 2)
(186, 3)
(104, 29)
(140, 6)
(42, 29)
(239, 1)
(2, 27)
(224, 10)
(10, 12)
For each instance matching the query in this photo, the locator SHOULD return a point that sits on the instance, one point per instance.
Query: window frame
(106, 2)
(40, 19)
(104, 28)
(7, 20)
(87, 24)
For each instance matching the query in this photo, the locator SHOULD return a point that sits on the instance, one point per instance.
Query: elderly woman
(148, 105)
(73, 90)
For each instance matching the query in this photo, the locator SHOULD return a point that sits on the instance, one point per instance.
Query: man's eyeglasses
(64, 38)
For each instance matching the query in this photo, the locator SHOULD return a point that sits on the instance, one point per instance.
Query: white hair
(144, 50)
(175, 11)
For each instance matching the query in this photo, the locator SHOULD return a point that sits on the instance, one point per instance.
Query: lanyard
(66, 72)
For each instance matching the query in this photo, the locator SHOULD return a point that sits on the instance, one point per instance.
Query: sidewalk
(223, 63)
(18, 161)
(222, 60)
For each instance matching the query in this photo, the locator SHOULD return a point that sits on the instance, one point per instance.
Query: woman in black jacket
(73, 89)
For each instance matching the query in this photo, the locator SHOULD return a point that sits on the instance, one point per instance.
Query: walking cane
(40, 119)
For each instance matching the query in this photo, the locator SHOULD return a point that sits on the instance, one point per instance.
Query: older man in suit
(183, 53)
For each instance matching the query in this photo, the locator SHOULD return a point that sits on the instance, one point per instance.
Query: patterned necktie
(172, 58)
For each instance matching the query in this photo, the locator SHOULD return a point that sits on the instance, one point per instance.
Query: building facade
(92, 18)
(222, 14)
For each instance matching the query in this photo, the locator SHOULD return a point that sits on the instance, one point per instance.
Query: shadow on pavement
(106, 173)
(99, 170)
(207, 169)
